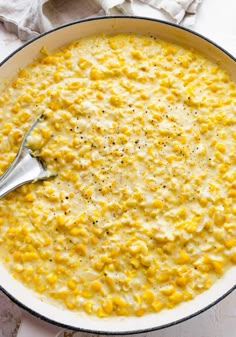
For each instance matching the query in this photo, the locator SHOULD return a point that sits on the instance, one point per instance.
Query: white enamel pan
(49, 320)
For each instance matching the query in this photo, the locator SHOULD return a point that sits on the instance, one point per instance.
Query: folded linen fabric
(27, 18)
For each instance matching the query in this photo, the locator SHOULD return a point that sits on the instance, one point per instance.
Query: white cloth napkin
(29, 18)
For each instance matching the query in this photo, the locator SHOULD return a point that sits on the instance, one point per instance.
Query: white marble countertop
(216, 20)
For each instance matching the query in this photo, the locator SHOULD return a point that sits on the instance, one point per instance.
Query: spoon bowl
(25, 168)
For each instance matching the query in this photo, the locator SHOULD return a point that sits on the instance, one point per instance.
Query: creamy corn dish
(141, 214)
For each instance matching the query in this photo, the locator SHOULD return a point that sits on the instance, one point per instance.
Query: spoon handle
(25, 168)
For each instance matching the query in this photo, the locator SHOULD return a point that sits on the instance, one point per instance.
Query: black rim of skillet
(90, 330)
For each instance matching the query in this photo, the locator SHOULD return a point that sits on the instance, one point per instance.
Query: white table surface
(216, 20)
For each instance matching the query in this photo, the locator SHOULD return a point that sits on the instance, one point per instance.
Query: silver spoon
(25, 168)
